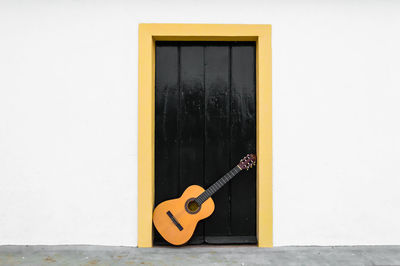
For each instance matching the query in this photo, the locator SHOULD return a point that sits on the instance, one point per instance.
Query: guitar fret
(217, 185)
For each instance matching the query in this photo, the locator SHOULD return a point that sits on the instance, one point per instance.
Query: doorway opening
(205, 122)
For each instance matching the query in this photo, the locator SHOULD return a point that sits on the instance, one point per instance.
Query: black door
(205, 122)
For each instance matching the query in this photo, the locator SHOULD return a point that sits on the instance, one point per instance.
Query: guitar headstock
(248, 161)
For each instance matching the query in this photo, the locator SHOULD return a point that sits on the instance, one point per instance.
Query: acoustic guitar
(176, 219)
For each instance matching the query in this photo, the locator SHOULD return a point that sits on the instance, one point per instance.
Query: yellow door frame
(148, 34)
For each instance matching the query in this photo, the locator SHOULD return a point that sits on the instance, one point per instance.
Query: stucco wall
(68, 117)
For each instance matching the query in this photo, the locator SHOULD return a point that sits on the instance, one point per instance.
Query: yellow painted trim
(264, 139)
(148, 34)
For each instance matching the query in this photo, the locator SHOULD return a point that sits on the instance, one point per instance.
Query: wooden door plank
(217, 131)
(166, 126)
(192, 120)
(243, 138)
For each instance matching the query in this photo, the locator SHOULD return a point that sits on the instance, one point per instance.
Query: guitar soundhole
(192, 206)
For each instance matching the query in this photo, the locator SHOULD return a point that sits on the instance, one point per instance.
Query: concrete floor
(199, 255)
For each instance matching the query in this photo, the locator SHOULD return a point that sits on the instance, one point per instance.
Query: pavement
(200, 255)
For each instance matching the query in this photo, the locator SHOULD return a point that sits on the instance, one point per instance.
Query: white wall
(68, 117)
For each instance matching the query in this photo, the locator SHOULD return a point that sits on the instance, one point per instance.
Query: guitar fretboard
(217, 185)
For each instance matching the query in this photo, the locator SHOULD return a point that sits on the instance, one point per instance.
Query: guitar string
(217, 185)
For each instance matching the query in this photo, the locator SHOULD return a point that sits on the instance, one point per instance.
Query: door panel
(192, 122)
(167, 174)
(243, 138)
(205, 123)
(217, 132)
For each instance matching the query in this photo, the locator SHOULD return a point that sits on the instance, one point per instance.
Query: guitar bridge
(176, 223)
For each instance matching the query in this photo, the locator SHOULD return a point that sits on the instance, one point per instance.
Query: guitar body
(176, 219)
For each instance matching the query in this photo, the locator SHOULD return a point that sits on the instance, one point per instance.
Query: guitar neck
(217, 185)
